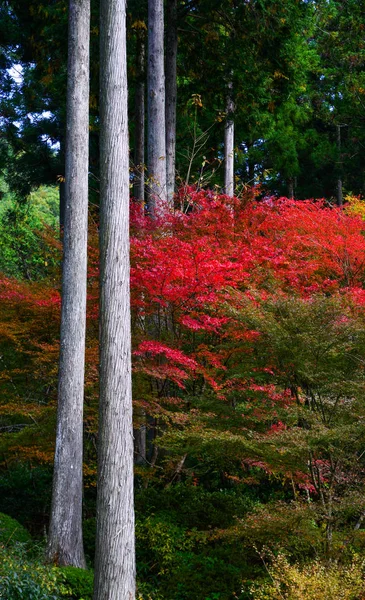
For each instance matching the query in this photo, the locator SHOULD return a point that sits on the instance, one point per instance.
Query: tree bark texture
(139, 157)
(156, 107)
(291, 187)
(171, 96)
(115, 554)
(339, 190)
(229, 146)
(65, 545)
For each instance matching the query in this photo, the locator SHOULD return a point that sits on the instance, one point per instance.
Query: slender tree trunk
(139, 158)
(291, 187)
(171, 96)
(65, 546)
(339, 167)
(115, 554)
(140, 439)
(156, 107)
(229, 146)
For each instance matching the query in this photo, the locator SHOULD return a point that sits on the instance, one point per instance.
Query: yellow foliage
(355, 205)
(315, 581)
(197, 100)
(139, 25)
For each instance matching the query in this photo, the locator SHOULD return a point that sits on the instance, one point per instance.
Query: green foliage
(195, 507)
(315, 581)
(89, 531)
(22, 579)
(79, 581)
(180, 564)
(26, 493)
(26, 252)
(12, 532)
(160, 542)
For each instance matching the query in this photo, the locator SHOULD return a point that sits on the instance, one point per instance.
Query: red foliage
(190, 270)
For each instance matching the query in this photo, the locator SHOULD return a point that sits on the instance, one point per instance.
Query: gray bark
(339, 177)
(115, 554)
(156, 148)
(229, 146)
(65, 546)
(139, 158)
(291, 187)
(171, 96)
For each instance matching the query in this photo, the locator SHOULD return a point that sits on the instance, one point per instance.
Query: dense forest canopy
(247, 298)
(297, 76)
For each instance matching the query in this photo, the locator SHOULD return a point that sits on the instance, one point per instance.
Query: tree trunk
(139, 158)
(339, 167)
(229, 146)
(156, 107)
(115, 554)
(291, 187)
(65, 546)
(171, 96)
(140, 438)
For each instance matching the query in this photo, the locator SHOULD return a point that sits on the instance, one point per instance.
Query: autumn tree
(115, 560)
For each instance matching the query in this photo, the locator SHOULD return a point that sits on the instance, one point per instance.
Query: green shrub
(25, 251)
(89, 532)
(192, 506)
(79, 582)
(12, 532)
(21, 579)
(147, 592)
(26, 495)
(314, 581)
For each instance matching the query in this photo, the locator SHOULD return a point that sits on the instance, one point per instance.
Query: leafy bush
(180, 564)
(194, 506)
(21, 579)
(89, 532)
(79, 582)
(12, 532)
(26, 495)
(315, 581)
(25, 251)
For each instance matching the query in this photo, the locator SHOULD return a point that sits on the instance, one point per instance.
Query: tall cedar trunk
(65, 546)
(115, 555)
(139, 158)
(156, 106)
(229, 146)
(339, 168)
(171, 96)
(291, 187)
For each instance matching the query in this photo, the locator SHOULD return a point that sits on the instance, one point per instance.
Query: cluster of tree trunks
(115, 555)
(115, 560)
